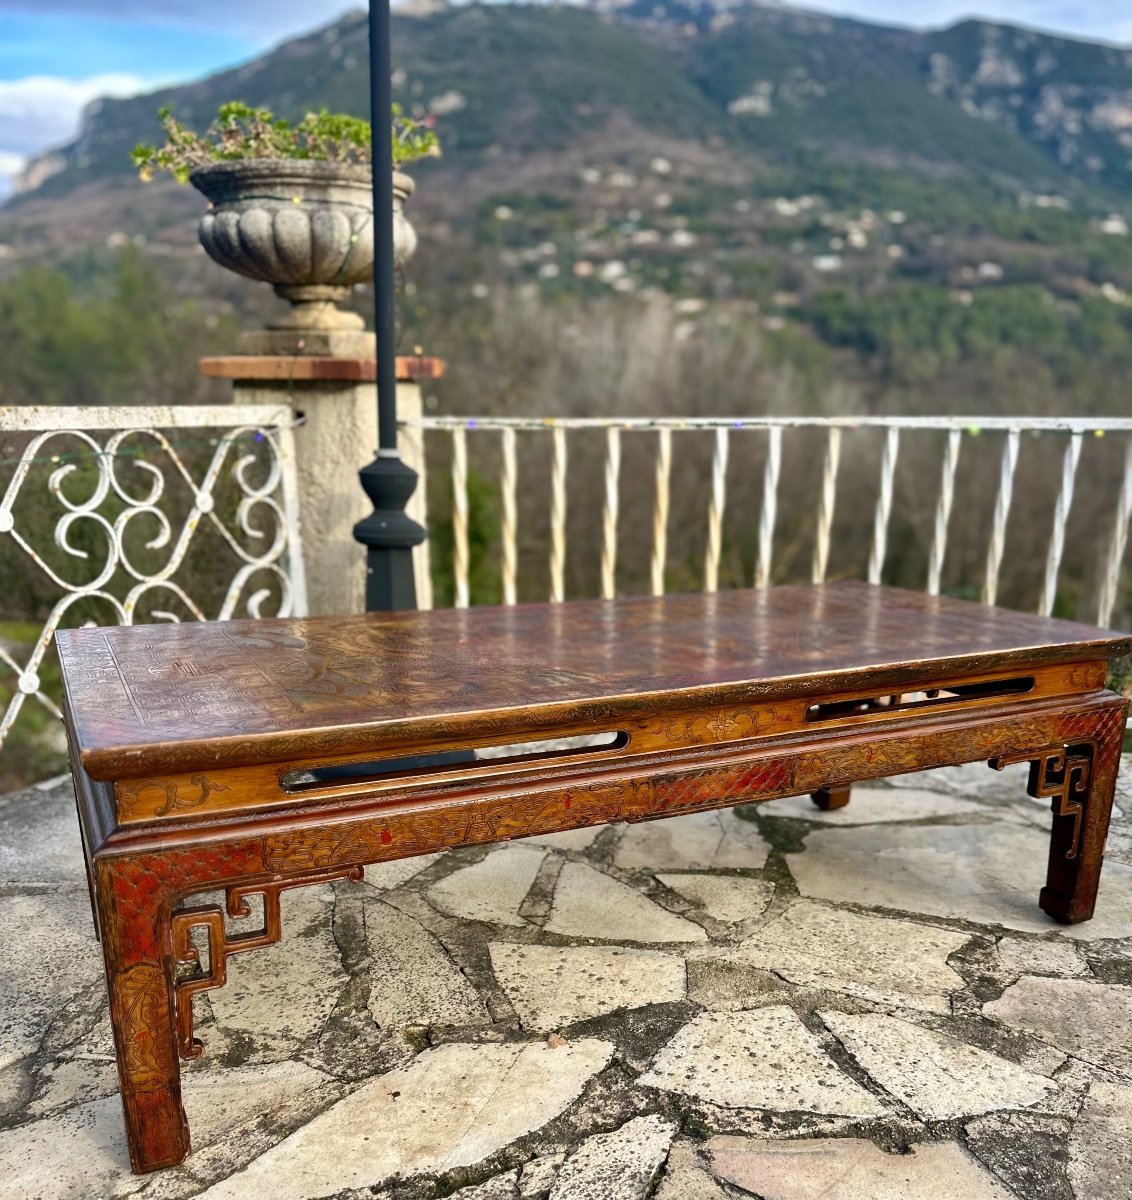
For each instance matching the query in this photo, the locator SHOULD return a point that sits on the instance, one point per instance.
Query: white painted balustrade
(109, 508)
(731, 450)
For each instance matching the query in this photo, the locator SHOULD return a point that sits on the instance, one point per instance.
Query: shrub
(241, 132)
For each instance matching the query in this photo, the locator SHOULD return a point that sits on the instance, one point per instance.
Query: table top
(143, 698)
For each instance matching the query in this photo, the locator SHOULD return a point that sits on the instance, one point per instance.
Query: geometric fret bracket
(222, 944)
(1061, 775)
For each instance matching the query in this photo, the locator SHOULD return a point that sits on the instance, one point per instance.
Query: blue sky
(58, 55)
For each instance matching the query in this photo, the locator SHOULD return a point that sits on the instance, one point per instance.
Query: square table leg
(827, 798)
(139, 978)
(1078, 777)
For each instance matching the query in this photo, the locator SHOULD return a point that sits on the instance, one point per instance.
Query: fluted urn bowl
(305, 227)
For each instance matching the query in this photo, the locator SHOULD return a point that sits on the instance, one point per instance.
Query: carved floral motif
(132, 792)
(881, 757)
(143, 1019)
(723, 725)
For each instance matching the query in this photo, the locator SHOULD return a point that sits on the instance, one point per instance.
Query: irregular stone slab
(967, 779)
(553, 986)
(693, 842)
(1021, 957)
(65, 1082)
(81, 1153)
(892, 962)
(50, 954)
(39, 835)
(761, 1058)
(567, 839)
(1100, 1146)
(872, 806)
(937, 1076)
(622, 1165)
(728, 898)
(851, 1169)
(491, 890)
(1090, 1020)
(16, 1086)
(1025, 1150)
(451, 1107)
(721, 985)
(499, 1187)
(685, 1178)
(536, 1176)
(76, 1153)
(592, 905)
(413, 981)
(1119, 846)
(389, 875)
(284, 994)
(987, 873)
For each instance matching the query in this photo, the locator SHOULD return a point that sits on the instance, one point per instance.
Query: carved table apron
(193, 748)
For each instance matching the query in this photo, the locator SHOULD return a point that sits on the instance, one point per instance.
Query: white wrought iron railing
(994, 446)
(141, 514)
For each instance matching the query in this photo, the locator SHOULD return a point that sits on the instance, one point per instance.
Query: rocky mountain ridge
(776, 82)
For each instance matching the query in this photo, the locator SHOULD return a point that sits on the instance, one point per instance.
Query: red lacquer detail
(386, 837)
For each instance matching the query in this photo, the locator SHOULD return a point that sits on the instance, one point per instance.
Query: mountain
(979, 100)
(905, 199)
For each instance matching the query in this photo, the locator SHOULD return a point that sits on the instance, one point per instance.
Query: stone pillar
(335, 400)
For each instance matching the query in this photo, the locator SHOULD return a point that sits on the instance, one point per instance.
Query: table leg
(832, 797)
(139, 976)
(1078, 777)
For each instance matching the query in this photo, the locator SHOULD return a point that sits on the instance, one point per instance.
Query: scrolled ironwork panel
(124, 516)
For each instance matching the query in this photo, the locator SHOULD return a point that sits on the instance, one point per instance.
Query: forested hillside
(850, 215)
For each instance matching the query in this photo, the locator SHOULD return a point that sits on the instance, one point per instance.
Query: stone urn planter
(304, 226)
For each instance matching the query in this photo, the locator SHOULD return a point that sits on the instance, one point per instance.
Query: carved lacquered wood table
(200, 753)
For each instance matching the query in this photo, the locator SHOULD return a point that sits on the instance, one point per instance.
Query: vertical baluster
(943, 510)
(558, 517)
(770, 505)
(610, 513)
(715, 510)
(1110, 585)
(884, 504)
(289, 489)
(1060, 519)
(828, 503)
(1001, 514)
(508, 485)
(660, 509)
(460, 515)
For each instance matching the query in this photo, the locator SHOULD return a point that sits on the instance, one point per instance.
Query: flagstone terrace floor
(775, 1002)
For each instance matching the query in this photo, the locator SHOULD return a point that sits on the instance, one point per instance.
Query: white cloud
(10, 166)
(39, 111)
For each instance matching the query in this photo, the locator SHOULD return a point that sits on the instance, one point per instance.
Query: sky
(58, 55)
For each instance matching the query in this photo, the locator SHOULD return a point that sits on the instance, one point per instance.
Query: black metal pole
(385, 317)
(388, 534)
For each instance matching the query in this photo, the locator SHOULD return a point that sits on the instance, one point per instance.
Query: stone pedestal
(337, 401)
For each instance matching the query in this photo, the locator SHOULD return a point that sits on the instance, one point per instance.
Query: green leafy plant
(241, 132)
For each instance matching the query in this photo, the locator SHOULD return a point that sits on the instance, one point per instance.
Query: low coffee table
(198, 752)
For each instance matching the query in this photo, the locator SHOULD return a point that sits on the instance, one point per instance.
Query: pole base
(389, 535)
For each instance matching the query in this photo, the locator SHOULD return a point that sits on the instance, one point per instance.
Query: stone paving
(774, 1002)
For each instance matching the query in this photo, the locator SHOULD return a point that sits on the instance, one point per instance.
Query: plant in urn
(291, 205)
